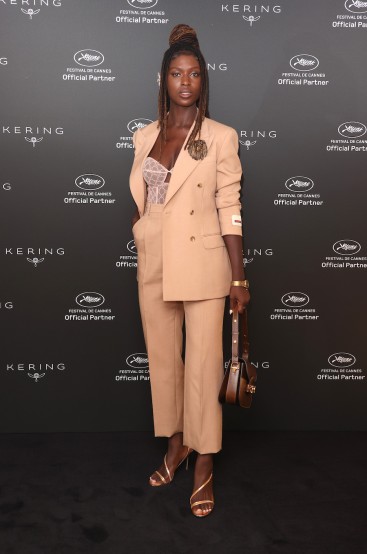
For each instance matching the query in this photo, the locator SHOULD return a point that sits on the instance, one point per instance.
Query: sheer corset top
(155, 175)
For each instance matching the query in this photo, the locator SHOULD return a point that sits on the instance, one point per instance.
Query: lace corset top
(155, 175)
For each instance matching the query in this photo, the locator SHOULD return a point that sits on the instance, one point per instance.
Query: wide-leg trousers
(184, 394)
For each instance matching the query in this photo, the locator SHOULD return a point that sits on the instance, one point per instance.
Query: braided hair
(183, 40)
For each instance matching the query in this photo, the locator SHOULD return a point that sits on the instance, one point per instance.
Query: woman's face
(184, 80)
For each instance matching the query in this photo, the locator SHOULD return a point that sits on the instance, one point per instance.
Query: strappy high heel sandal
(198, 502)
(164, 480)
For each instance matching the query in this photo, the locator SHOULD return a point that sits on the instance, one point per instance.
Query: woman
(185, 181)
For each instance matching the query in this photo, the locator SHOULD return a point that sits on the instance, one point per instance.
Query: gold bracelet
(245, 284)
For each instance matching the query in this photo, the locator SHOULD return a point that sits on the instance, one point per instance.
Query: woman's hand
(239, 297)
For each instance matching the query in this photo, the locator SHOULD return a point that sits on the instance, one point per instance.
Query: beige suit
(184, 272)
(202, 204)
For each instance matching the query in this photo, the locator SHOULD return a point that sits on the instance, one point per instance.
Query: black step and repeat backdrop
(77, 78)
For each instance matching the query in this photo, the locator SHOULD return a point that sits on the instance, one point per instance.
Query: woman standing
(185, 181)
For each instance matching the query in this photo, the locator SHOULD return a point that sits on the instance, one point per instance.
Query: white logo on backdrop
(90, 299)
(35, 261)
(299, 183)
(250, 137)
(251, 19)
(356, 6)
(33, 140)
(346, 247)
(247, 143)
(295, 299)
(252, 12)
(131, 246)
(30, 12)
(139, 360)
(42, 368)
(8, 305)
(305, 62)
(88, 58)
(36, 376)
(251, 253)
(352, 129)
(341, 359)
(142, 4)
(138, 123)
(89, 181)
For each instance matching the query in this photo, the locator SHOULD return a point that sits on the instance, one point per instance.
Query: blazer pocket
(213, 241)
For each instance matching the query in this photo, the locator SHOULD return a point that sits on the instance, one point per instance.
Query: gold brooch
(198, 149)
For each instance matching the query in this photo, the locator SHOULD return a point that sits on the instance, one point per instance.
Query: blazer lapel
(185, 164)
(137, 184)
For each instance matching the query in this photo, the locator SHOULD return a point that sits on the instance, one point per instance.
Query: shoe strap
(201, 487)
(201, 502)
(166, 466)
(161, 477)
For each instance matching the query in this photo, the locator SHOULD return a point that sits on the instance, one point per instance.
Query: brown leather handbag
(240, 377)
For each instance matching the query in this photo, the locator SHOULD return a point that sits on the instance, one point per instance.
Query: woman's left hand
(239, 297)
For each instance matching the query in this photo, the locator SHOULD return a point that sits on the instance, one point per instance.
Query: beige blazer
(202, 204)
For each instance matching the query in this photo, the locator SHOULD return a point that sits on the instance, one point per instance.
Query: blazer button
(192, 212)
(192, 239)
(200, 185)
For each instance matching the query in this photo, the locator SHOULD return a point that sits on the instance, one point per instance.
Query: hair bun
(183, 33)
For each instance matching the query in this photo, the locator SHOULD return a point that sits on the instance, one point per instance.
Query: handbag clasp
(235, 366)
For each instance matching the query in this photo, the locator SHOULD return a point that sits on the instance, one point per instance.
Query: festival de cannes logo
(304, 62)
(341, 359)
(131, 246)
(295, 299)
(138, 361)
(89, 181)
(89, 58)
(346, 247)
(352, 129)
(299, 184)
(138, 123)
(356, 6)
(142, 4)
(89, 299)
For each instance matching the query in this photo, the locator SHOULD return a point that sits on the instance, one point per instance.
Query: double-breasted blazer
(202, 204)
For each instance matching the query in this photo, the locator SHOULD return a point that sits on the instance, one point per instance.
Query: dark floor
(275, 492)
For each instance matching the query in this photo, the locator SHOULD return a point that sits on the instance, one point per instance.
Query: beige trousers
(184, 395)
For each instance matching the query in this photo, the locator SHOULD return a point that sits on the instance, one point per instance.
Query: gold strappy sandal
(164, 480)
(192, 504)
